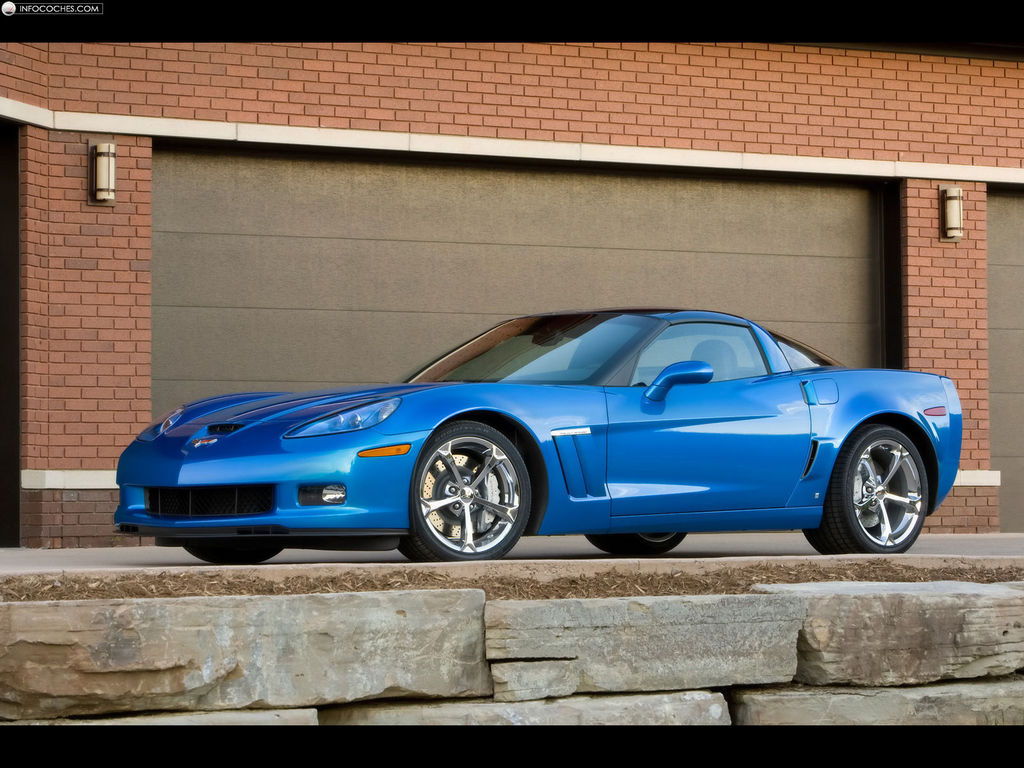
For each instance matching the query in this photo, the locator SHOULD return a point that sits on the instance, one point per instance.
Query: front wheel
(877, 498)
(470, 496)
(636, 543)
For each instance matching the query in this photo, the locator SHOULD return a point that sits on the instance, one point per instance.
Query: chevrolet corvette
(632, 427)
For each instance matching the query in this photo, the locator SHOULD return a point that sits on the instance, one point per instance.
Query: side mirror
(690, 372)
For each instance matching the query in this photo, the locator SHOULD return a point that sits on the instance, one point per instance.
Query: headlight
(162, 424)
(363, 417)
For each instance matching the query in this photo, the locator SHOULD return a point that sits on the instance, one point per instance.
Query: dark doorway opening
(10, 337)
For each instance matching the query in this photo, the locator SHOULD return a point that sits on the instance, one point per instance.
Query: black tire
(876, 465)
(231, 555)
(467, 462)
(636, 543)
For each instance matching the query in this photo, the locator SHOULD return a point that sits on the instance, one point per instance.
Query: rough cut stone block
(211, 653)
(648, 643)
(866, 633)
(227, 717)
(524, 680)
(969, 702)
(685, 708)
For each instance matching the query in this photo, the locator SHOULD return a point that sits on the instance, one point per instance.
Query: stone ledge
(640, 643)
(95, 657)
(650, 659)
(227, 717)
(877, 633)
(984, 702)
(681, 708)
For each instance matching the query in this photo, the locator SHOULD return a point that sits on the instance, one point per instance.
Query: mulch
(733, 580)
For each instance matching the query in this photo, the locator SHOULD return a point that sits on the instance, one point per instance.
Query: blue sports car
(632, 427)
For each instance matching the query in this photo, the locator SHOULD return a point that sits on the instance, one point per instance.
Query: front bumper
(377, 498)
(273, 535)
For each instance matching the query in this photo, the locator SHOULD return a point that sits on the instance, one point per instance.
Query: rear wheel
(470, 496)
(877, 498)
(636, 543)
(231, 555)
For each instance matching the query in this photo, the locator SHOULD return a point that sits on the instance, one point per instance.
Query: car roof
(670, 315)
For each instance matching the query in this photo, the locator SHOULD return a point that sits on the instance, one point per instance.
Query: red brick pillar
(86, 304)
(946, 320)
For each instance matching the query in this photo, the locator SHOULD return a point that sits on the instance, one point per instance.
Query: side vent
(572, 470)
(580, 480)
(810, 459)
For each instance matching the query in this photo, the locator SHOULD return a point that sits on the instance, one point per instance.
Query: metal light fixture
(951, 203)
(103, 172)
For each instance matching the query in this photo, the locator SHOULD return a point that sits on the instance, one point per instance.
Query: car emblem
(198, 442)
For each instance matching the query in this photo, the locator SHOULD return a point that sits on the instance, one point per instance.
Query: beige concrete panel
(269, 268)
(1006, 284)
(170, 393)
(245, 348)
(1005, 229)
(1011, 492)
(196, 270)
(1006, 350)
(345, 198)
(1008, 413)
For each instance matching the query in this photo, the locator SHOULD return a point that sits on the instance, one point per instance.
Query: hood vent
(223, 429)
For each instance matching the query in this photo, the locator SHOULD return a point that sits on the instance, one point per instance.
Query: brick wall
(967, 510)
(54, 519)
(85, 317)
(86, 303)
(764, 98)
(24, 71)
(945, 315)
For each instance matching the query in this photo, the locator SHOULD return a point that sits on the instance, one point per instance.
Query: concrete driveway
(549, 548)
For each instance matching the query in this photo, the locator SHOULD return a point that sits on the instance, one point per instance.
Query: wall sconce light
(951, 203)
(102, 172)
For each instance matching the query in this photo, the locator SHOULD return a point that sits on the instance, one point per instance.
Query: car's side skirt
(780, 519)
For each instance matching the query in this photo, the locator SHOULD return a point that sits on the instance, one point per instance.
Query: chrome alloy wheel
(887, 493)
(469, 495)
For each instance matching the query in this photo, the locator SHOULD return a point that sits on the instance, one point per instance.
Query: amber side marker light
(938, 410)
(388, 450)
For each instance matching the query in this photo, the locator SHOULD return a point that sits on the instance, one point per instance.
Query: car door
(739, 441)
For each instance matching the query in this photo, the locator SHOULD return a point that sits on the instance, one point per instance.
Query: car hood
(289, 407)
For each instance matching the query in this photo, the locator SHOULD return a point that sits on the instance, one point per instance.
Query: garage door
(284, 271)
(1006, 351)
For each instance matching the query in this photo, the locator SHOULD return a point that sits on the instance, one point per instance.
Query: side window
(731, 350)
(800, 356)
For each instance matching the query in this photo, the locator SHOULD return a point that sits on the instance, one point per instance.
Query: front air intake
(210, 501)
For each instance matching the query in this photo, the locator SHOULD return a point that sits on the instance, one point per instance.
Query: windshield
(552, 349)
